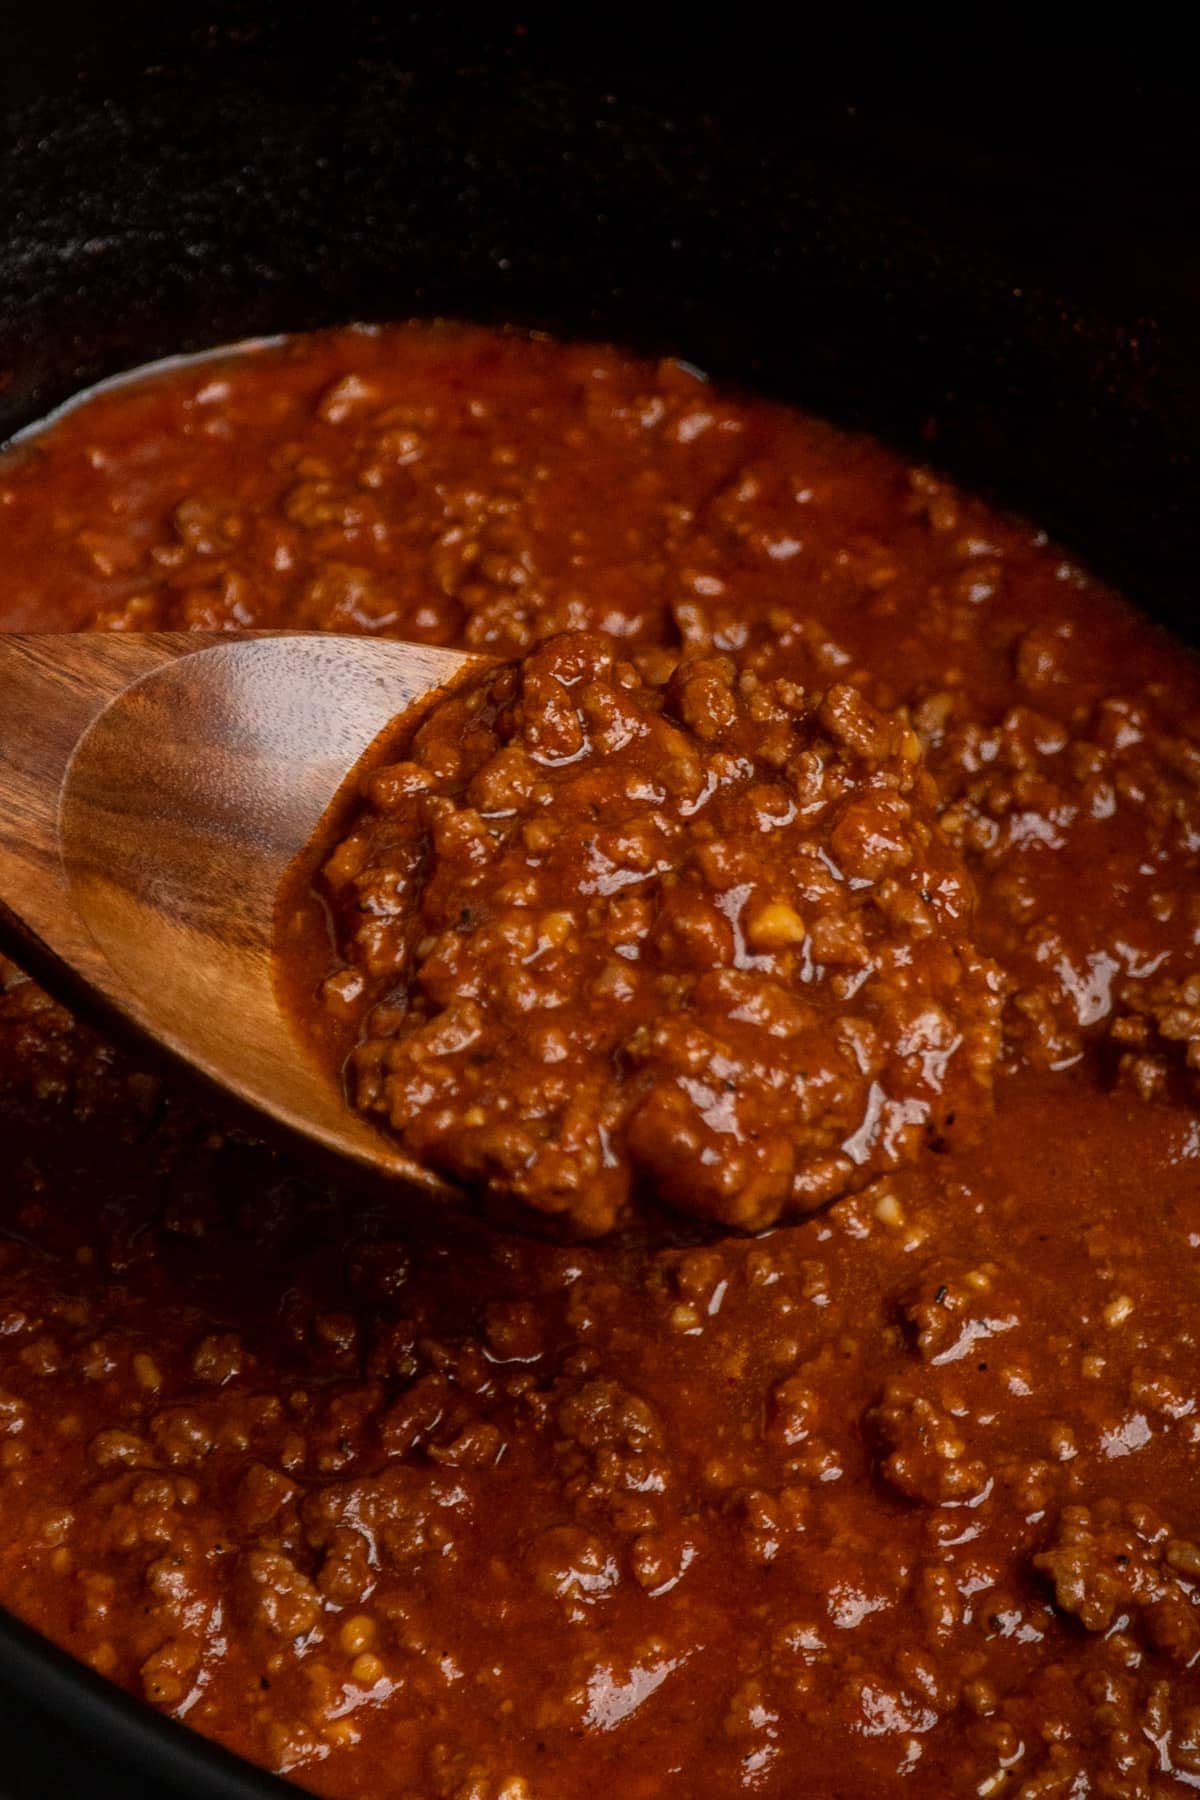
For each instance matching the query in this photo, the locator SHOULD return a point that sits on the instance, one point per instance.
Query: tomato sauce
(903, 1494)
(677, 931)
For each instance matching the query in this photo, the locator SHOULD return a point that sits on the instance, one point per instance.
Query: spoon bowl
(154, 791)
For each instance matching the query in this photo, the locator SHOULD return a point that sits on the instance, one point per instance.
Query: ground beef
(1156, 1029)
(671, 1518)
(1110, 1562)
(688, 932)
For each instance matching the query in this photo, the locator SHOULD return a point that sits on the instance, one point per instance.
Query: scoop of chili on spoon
(593, 932)
(154, 790)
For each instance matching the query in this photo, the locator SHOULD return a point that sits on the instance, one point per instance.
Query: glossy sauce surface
(653, 930)
(901, 1497)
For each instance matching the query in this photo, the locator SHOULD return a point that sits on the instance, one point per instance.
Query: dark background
(984, 241)
(985, 245)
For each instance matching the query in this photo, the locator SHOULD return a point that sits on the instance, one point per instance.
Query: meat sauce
(677, 925)
(901, 1496)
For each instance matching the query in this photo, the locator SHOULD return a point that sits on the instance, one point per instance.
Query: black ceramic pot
(964, 248)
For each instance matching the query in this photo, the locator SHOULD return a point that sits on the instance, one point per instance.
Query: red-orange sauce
(901, 1497)
(620, 928)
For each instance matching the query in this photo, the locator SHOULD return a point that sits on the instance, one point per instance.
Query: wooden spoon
(153, 791)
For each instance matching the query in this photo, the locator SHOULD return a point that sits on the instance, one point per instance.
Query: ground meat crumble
(699, 933)
(899, 1498)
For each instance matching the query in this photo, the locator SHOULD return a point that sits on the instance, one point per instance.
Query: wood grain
(154, 790)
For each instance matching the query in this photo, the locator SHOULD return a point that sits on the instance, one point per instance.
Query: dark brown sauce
(610, 929)
(902, 1496)
(305, 930)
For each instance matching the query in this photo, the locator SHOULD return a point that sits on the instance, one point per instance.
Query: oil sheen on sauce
(899, 1497)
